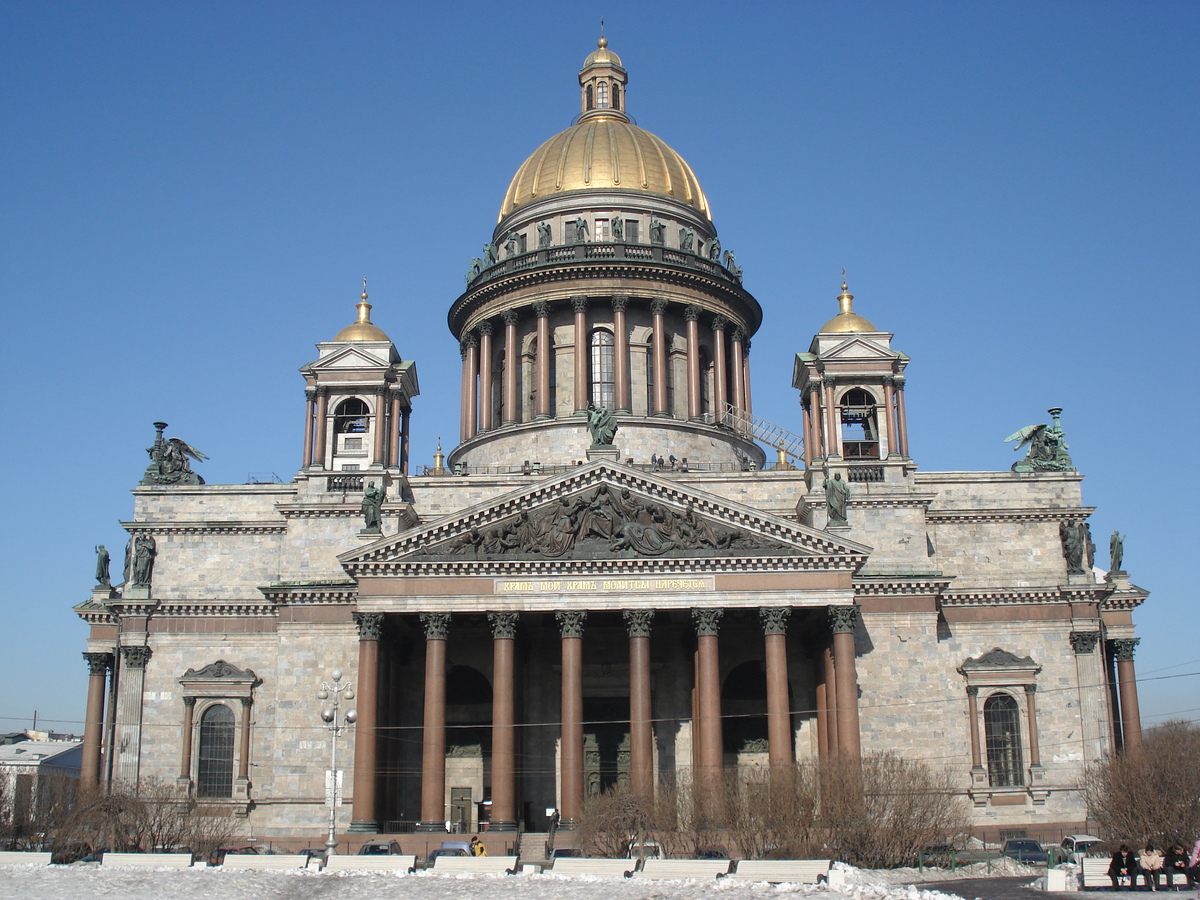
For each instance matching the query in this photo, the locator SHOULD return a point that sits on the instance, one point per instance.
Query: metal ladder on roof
(751, 426)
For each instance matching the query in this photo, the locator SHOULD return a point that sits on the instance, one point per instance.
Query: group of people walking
(1174, 868)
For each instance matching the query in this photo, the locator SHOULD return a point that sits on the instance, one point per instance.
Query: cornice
(565, 568)
(208, 609)
(1024, 596)
(313, 594)
(402, 511)
(894, 585)
(225, 527)
(1032, 514)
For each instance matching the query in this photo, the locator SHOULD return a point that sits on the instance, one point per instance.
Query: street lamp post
(337, 690)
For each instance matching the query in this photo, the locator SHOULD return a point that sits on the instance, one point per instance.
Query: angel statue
(1047, 447)
(602, 424)
(169, 460)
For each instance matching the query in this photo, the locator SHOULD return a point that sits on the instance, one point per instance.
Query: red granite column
(1035, 755)
(1131, 717)
(779, 714)
(891, 420)
(486, 422)
(902, 416)
(720, 376)
(545, 357)
(405, 414)
(737, 366)
(641, 718)
(394, 434)
(321, 426)
(464, 393)
(746, 375)
(570, 803)
(659, 350)
(370, 629)
(833, 431)
(621, 350)
(512, 355)
(504, 731)
(93, 721)
(433, 734)
(185, 760)
(973, 715)
(244, 748)
(310, 407)
(831, 711)
(579, 304)
(842, 620)
(691, 315)
(708, 694)
(814, 413)
(472, 342)
(822, 702)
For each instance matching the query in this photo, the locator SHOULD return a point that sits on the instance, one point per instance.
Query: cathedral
(620, 574)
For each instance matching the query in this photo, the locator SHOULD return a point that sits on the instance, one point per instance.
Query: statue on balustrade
(1116, 551)
(1047, 447)
(686, 239)
(731, 265)
(837, 495)
(714, 250)
(510, 245)
(581, 230)
(475, 270)
(491, 254)
(1078, 549)
(543, 230)
(169, 460)
(602, 424)
(657, 229)
(618, 228)
(102, 563)
(372, 508)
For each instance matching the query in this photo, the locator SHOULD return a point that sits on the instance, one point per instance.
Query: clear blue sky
(191, 194)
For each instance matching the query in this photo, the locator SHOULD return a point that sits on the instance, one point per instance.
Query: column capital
(1084, 641)
(774, 618)
(471, 339)
(1031, 689)
(842, 619)
(746, 346)
(136, 657)
(310, 393)
(510, 316)
(707, 621)
(658, 306)
(814, 384)
(486, 327)
(570, 623)
(189, 702)
(247, 702)
(830, 380)
(1124, 647)
(899, 382)
(541, 309)
(972, 690)
(463, 350)
(691, 313)
(436, 625)
(579, 303)
(370, 626)
(321, 390)
(504, 624)
(638, 622)
(98, 663)
(889, 380)
(739, 334)
(719, 323)
(620, 302)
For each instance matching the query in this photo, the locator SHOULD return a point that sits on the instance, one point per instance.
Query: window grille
(214, 776)
(1002, 729)
(603, 369)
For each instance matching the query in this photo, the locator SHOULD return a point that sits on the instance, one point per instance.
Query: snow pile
(93, 882)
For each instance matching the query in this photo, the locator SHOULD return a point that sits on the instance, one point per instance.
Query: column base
(507, 825)
(612, 454)
(363, 828)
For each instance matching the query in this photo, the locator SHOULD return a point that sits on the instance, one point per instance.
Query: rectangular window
(601, 233)
(631, 231)
(352, 467)
(352, 443)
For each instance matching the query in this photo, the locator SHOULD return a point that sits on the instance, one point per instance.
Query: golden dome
(362, 328)
(602, 55)
(847, 320)
(600, 153)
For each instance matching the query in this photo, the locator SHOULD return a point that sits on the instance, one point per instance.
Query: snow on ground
(997, 868)
(94, 882)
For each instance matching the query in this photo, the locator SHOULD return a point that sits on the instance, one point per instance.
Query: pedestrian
(1175, 862)
(1123, 863)
(477, 848)
(654, 461)
(1151, 864)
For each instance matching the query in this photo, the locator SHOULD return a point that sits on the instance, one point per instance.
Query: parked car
(1076, 846)
(711, 851)
(647, 849)
(218, 857)
(379, 848)
(1024, 850)
(450, 848)
(318, 853)
(567, 853)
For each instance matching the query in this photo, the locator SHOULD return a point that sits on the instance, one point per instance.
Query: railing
(751, 426)
(681, 467)
(334, 483)
(601, 250)
(864, 474)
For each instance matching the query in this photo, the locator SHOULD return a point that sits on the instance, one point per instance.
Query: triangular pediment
(858, 348)
(606, 512)
(352, 357)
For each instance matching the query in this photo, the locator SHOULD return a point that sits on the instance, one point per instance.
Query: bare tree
(1151, 794)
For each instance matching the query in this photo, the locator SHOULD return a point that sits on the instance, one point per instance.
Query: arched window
(603, 368)
(351, 417)
(602, 95)
(860, 428)
(616, 96)
(588, 94)
(1002, 730)
(214, 774)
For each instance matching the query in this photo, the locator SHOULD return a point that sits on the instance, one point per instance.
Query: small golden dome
(847, 320)
(362, 329)
(604, 152)
(602, 55)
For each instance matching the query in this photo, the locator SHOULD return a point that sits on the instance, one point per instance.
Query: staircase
(532, 846)
(751, 426)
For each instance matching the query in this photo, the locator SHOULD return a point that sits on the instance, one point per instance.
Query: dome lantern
(602, 83)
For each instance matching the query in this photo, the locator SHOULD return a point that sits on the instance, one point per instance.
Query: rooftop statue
(102, 561)
(1116, 551)
(169, 460)
(372, 508)
(837, 494)
(731, 264)
(602, 424)
(510, 244)
(618, 228)
(1047, 447)
(581, 230)
(686, 237)
(144, 551)
(490, 254)
(714, 250)
(656, 231)
(1078, 549)
(543, 230)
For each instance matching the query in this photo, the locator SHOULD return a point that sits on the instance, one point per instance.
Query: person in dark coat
(1174, 865)
(1124, 862)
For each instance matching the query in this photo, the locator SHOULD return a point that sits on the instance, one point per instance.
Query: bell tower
(602, 83)
(358, 401)
(851, 385)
